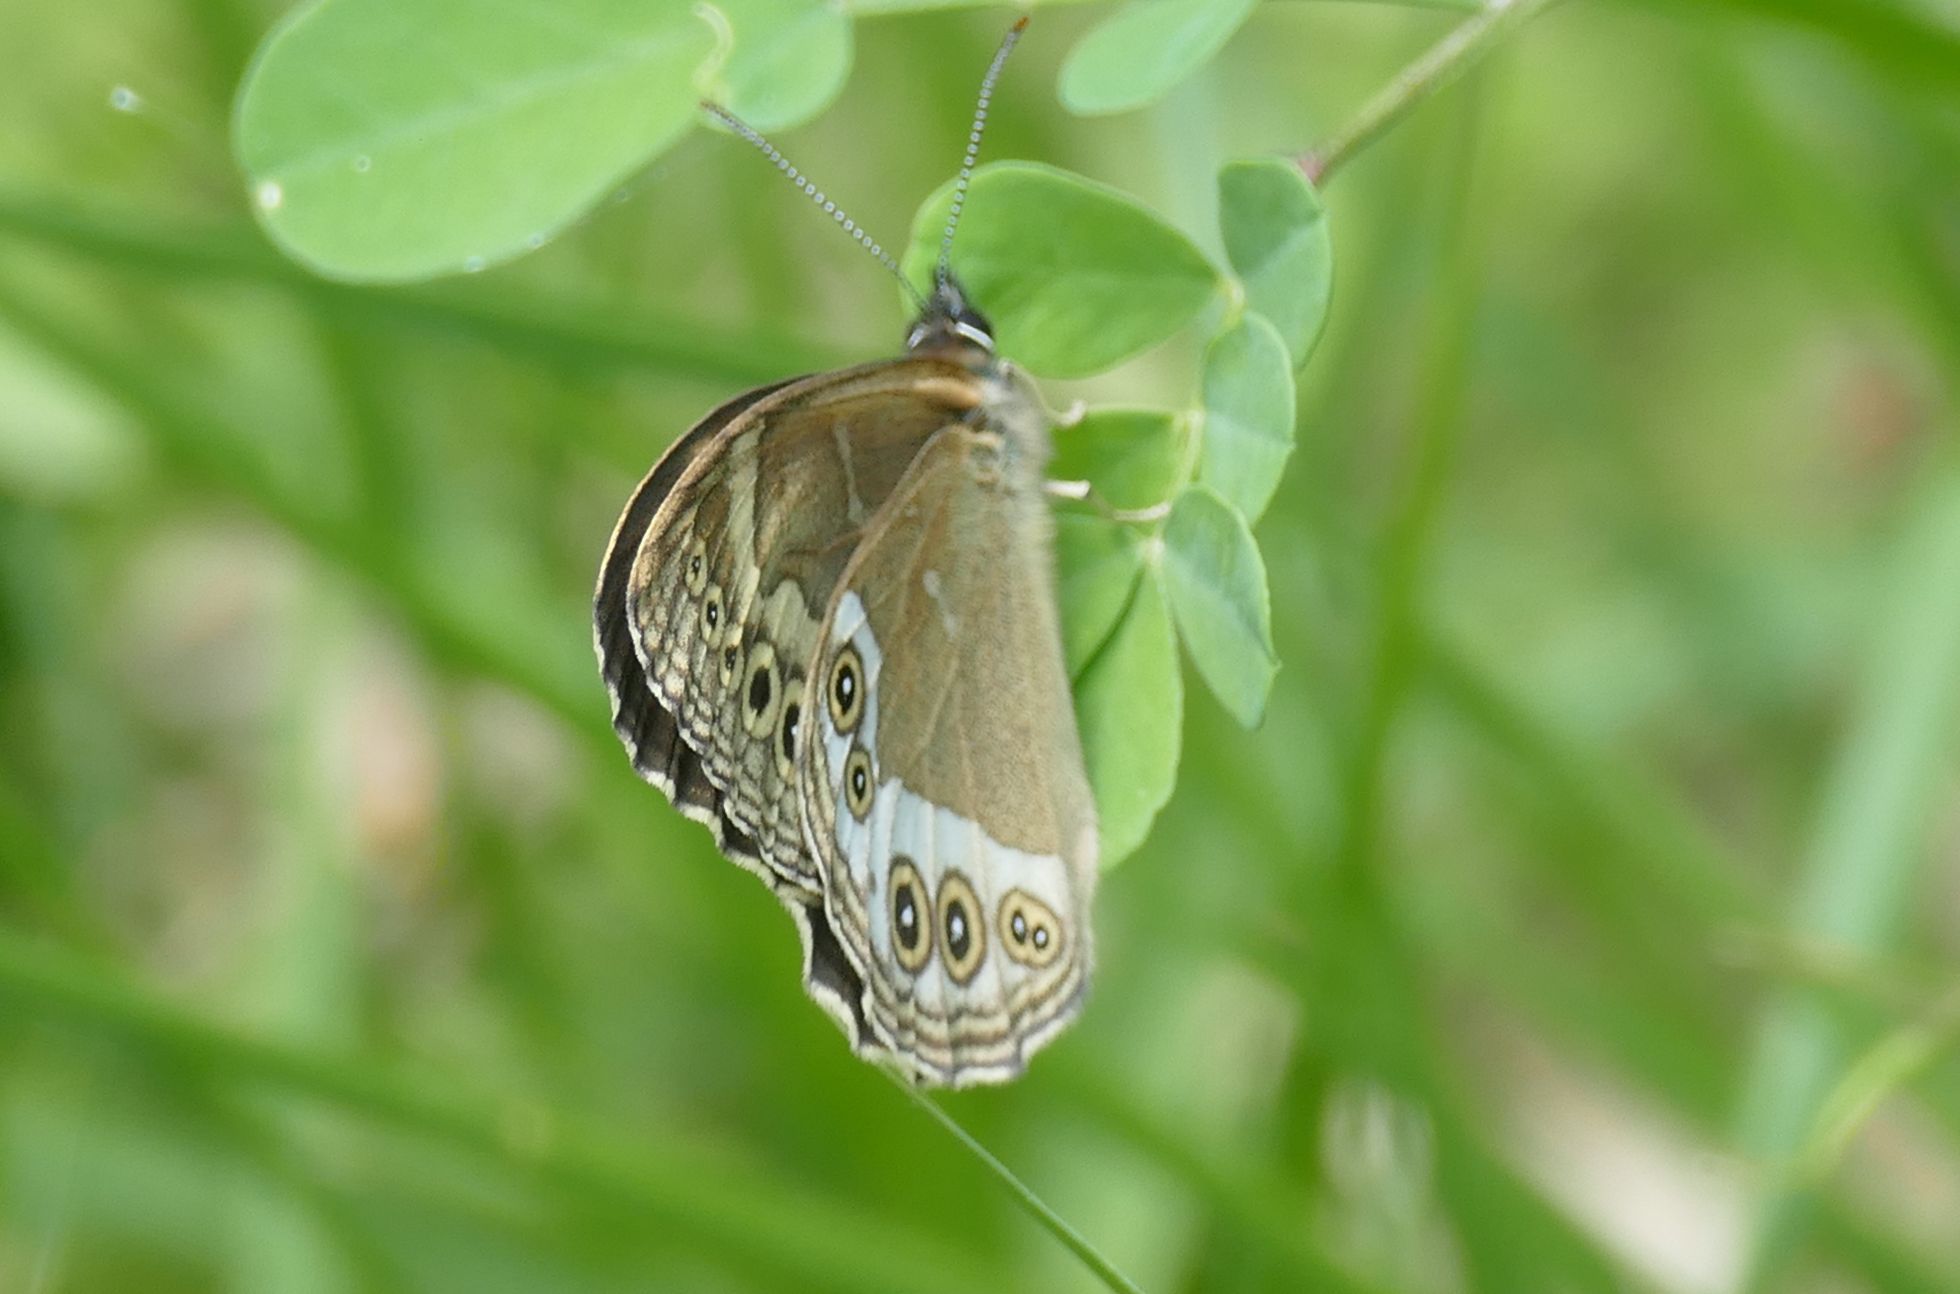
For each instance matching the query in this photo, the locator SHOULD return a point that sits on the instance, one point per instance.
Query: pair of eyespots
(844, 693)
(1029, 930)
(772, 704)
(961, 935)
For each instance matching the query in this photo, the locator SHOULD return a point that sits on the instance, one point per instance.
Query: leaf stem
(1439, 65)
(1053, 1222)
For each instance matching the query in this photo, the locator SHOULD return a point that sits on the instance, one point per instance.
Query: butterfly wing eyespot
(858, 779)
(963, 934)
(711, 611)
(760, 695)
(911, 916)
(846, 689)
(694, 573)
(787, 725)
(731, 658)
(1029, 930)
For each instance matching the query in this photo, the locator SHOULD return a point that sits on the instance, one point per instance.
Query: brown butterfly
(827, 622)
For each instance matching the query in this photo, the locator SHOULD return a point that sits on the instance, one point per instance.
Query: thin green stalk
(1054, 1223)
(552, 669)
(551, 329)
(1445, 61)
(1888, 1065)
(1255, 1205)
(744, 1215)
(1399, 592)
(1675, 852)
(1857, 881)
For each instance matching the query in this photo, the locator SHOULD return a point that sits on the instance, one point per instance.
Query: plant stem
(1441, 64)
(1053, 1222)
(1867, 857)
(556, 330)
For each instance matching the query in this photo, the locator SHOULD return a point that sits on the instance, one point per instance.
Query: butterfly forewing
(737, 564)
(646, 726)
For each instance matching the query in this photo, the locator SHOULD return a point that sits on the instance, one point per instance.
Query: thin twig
(1441, 64)
(1054, 1222)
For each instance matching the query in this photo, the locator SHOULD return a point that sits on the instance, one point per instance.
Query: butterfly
(827, 623)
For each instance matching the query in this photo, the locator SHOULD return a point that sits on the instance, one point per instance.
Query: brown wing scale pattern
(739, 560)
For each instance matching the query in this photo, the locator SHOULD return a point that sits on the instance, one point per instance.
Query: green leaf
(1130, 705)
(1137, 54)
(1217, 585)
(1248, 392)
(1276, 238)
(389, 140)
(879, 8)
(1097, 564)
(790, 60)
(1134, 457)
(1075, 276)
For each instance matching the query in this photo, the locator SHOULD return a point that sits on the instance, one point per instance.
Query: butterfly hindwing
(944, 789)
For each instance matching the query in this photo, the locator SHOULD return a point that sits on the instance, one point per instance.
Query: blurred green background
(1584, 916)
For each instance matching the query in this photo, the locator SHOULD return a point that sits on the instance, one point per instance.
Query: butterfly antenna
(816, 195)
(1007, 43)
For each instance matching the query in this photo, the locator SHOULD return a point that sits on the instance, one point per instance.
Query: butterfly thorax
(1009, 444)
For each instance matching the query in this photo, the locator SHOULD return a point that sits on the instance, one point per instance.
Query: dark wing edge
(652, 737)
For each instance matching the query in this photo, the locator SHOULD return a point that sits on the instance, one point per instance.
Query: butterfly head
(949, 322)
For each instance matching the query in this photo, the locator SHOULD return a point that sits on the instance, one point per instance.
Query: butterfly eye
(911, 924)
(857, 782)
(965, 939)
(759, 689)
(846, 689)
(786, 727)
(695, 574)
(1029, 929)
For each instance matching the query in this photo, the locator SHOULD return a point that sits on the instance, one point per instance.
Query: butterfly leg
(1084, 492)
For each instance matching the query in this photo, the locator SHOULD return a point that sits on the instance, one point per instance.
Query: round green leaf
(1248, 391)
(399, 139)
(1217, 586)
(790, 59)
(1276, 238)
(1075, 276)
(1137, 54)
(1134, 457)
(1130, 705)
(1097, 564)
